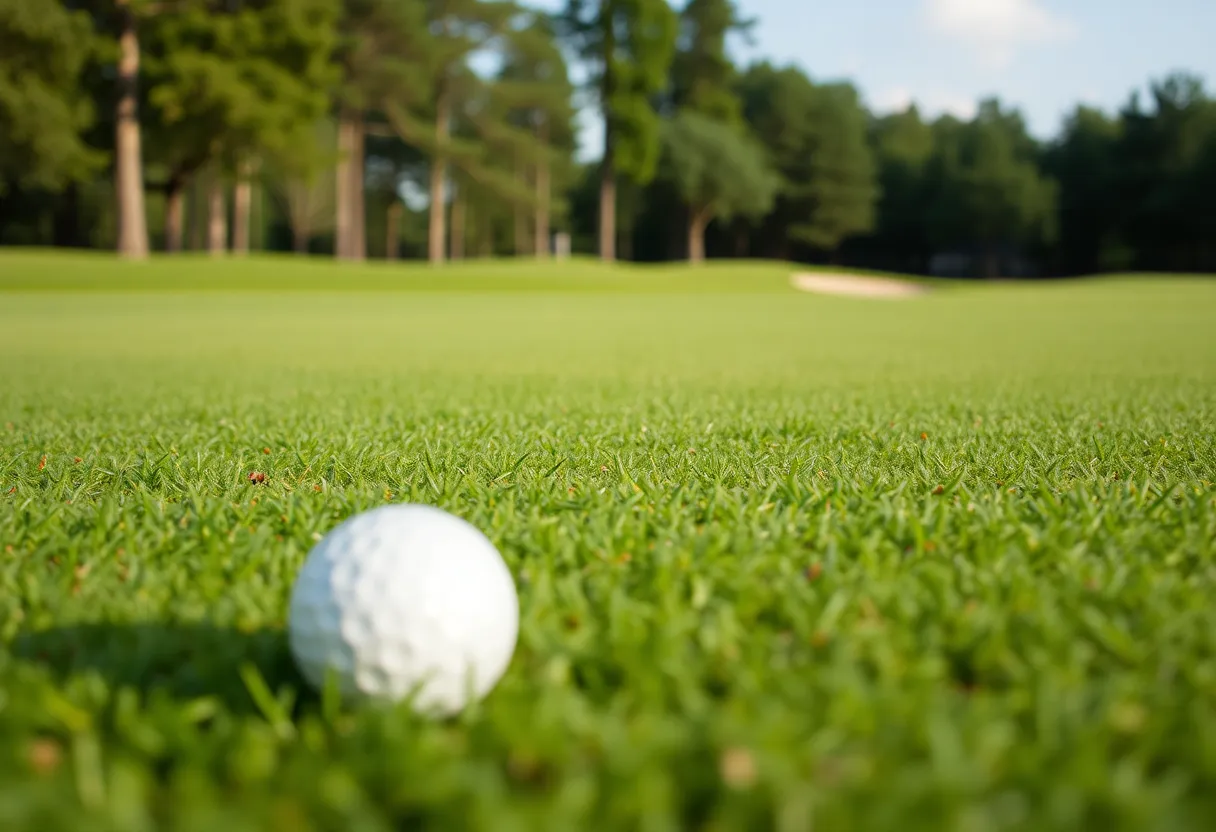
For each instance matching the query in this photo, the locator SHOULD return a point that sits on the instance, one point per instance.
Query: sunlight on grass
(880, 565)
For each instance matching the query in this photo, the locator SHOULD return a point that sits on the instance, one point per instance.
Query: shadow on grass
(183, 661)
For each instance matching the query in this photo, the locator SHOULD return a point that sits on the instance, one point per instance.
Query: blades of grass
(270, 707)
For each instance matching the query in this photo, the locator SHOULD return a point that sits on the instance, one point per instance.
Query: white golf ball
(405, 599)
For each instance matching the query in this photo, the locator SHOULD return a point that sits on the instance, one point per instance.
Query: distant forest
(372, 129)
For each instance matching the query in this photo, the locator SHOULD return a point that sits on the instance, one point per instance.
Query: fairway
(785, 561)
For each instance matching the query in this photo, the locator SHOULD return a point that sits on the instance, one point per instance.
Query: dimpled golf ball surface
(405, 600)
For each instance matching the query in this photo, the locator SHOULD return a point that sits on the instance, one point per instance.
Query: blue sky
(1042, 56)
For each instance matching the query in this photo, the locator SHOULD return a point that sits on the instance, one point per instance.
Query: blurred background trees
(446, 129)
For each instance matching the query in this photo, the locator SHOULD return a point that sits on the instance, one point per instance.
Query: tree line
(446, 129)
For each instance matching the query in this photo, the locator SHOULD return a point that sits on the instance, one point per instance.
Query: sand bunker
(856, 286)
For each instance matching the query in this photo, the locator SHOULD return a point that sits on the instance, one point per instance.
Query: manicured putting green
(785, 560)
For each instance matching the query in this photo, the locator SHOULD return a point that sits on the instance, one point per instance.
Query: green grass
(784, 561)
(46, 271)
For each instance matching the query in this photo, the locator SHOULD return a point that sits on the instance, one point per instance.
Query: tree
(840, 187)
(128, 143)
(630, 45)
(989, 189)
(301, 181)
(903, 148)
(228, 84)
(703, 77)
(1159, 154)
(816, 139)
(1084, 161)
(383, 56)
(718, 170)
(534, 88)
(43, 109)
(435, 118)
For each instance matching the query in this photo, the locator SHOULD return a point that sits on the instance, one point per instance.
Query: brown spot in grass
(77, 459)
(820, 638)
(923, 436)
(930, 546)
(941, 489)
(814, 571)
(316, 488)
(257, 477)
(737, 766)
(42, 464)
(44, 756)
(266, 451)
(12, 490)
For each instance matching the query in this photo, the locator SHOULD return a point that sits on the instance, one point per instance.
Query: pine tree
(43, 110)
(226, 85)
(703, 77)
(381, 55)
(630, 45)
(534, 88)
(444, 118)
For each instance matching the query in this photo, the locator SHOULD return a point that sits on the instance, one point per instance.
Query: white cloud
(931, 103)
(996, 29)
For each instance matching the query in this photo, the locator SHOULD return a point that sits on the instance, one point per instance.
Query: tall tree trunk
(128, 151)
(175, 209)
(217, 225)
(344, 204)
(242, 204)
(458, 227)
(541, 224)
(392, 236)
(608, 166)
(607, 204)
(436, 236)
(520, 221)
(358, 198)
(698, 219)
(197, 213)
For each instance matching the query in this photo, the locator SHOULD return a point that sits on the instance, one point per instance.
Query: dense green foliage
(43, 110)
(784, 561)
(450, 132)
(718, 171)
(703, 76)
